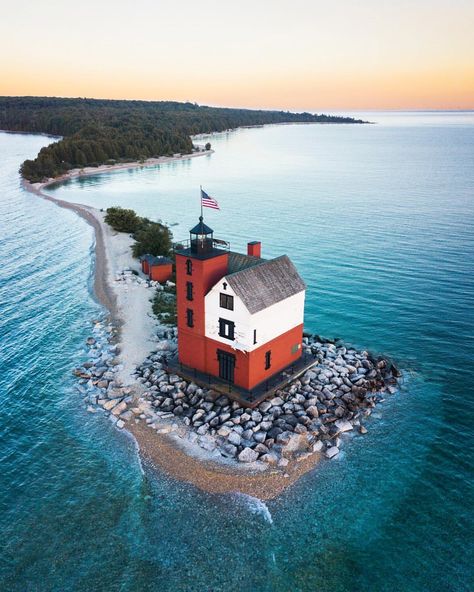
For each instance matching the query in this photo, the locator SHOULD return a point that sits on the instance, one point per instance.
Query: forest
(98, 131)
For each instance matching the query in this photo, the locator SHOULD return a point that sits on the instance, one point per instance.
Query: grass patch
(164, 305)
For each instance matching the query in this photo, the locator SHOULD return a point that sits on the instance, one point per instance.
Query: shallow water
(378, 220)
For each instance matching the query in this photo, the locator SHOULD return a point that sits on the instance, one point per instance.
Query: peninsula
(97, 132)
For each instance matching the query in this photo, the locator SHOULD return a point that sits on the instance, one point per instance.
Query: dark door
(226, 365)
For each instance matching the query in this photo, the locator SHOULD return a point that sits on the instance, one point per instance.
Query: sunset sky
(296, 55)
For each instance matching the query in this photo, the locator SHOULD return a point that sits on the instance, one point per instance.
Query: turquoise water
(379, 220)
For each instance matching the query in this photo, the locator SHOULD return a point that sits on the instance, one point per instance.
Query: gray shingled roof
(262, 285)
(239, 261)
(152, 260)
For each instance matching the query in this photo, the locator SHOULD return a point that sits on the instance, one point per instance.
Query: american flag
(208, 202)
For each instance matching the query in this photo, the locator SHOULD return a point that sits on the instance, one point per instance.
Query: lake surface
(379, 221)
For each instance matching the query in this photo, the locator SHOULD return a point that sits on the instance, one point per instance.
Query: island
(193, 432)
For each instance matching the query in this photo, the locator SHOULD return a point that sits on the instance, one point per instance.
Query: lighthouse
(239, 316)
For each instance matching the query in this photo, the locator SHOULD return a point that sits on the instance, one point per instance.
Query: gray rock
(248, 455)
(276, 401)
(271, 458)
(260, 437)
(234, 438)
(343, 425)
(229, 450)
(332, 452)
(318, 446)
(247, 434)
(207, 443)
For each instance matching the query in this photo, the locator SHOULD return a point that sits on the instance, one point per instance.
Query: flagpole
(200, 199)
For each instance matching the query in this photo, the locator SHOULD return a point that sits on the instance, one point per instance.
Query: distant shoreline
(109, 168)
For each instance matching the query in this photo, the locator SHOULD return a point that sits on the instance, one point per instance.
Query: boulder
(276, 401)
(247, 434)
(120, 408)
(270, 458)
(264, 406)
(318, 446)
(229, 450)
(332, 452)
(110, 404)
(296, 443)
(343, 425)
(248, 455)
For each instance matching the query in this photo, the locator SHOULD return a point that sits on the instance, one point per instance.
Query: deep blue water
(379, 220)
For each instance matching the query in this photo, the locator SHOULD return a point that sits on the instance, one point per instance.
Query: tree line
(96, 131)
(153, 238)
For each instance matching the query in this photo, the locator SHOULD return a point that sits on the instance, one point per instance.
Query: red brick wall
(161, 273)
(205, 273)
(250, 367)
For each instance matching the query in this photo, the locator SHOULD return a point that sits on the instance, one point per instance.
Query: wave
(256, 506)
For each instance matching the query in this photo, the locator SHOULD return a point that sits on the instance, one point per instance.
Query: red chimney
(254, 249)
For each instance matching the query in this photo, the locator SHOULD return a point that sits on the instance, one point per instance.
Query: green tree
(123, 220)
(153, 238)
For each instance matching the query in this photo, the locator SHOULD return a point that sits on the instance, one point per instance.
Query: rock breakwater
(311, 415)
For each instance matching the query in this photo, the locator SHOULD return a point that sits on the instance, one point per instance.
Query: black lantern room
(202, 240)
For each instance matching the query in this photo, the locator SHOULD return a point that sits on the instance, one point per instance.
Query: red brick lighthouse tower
(240, 317)
(198, 268)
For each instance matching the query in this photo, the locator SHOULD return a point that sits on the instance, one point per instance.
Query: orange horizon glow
(300, 56)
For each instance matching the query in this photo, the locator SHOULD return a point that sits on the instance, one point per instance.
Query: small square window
(227, 301)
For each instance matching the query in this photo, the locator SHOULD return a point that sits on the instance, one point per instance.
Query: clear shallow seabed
(379, 220)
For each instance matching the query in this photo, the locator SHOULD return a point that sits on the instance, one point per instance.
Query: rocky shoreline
(309, 416)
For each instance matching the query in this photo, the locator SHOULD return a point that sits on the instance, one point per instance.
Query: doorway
(226, 365)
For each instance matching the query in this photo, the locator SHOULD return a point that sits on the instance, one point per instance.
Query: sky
(337, 55)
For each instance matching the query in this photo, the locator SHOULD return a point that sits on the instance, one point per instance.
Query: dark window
(255, 336)
(268, 359)
(189, 267)
(189, 290)
(189, 318)
(227, 301)
(226, 329)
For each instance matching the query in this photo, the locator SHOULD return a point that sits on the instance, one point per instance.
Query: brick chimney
(254, 249)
